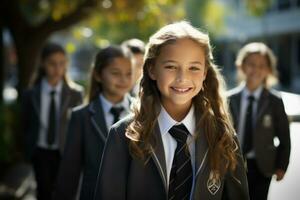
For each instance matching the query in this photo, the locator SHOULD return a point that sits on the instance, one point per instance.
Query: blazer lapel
(201, 151)
(236, 104)
(36, 99)
(65, 98)
(98, 119)
(158, 156)
(262, 104)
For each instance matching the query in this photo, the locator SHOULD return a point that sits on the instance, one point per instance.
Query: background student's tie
(248, 130)
(51, 132)
(116, 112)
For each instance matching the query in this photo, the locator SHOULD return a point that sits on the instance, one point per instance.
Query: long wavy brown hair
(210, 108)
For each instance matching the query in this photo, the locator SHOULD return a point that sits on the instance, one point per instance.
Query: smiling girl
(179, 144)
(109, 101)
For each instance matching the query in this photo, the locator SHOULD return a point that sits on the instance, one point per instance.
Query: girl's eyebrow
(173, 61)
(196, 62)
(167, 61)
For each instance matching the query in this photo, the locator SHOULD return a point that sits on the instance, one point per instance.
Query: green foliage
(129, 21)
(258, 7)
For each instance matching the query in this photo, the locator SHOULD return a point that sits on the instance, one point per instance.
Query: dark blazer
(31, 101)
(124, 177)
(86, 138)
(271, 122)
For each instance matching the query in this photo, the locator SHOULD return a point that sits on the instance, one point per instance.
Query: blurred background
(84, 26)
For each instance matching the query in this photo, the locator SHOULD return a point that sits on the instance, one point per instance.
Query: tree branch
(82, 11)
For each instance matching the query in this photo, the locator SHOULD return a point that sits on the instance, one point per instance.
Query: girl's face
(55, 66)
(256, 70)
(116, 79)
(179, 72)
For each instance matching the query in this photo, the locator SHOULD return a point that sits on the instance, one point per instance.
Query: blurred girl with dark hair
(45, 109)
(109, 101)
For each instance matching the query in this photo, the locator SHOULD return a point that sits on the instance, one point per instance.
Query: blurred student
(137, 48)
(260, 119)
(45, 108)
(111, 80)
(179, 144)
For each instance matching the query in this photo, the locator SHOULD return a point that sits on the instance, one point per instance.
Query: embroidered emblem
(213, 182)
(267, 121)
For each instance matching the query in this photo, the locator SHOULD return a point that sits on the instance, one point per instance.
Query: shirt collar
(166, 122)
(107, 105)
(256, 94)
(48, 88)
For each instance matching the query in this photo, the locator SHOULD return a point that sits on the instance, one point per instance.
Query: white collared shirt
(166, 122)
(44, 113)
(243, 108)
(107, 105)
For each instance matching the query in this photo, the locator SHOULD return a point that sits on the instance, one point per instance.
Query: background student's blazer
(31, 101)
(123, 177)
(271, 121)
(87, 135)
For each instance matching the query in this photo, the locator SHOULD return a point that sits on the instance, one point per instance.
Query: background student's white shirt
(244, 104)
(166, 122)
(107, 105)
(44, 113)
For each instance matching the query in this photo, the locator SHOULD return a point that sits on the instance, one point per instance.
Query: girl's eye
(194, 68)
(170, 67)
(115, 73)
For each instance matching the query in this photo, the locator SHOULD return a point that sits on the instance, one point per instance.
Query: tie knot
(179, 133)
(251, 98)
(116, 111)
(52, 93)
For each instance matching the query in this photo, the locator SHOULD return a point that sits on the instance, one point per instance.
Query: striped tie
(181, 176)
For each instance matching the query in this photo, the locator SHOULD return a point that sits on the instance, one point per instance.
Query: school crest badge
(267, 121)
(213, 182)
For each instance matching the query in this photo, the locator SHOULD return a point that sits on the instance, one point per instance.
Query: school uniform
(86, 138)
(36, 105)
(270, 123)
(122, 176)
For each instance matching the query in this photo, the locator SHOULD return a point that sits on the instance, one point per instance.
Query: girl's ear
(151, 72)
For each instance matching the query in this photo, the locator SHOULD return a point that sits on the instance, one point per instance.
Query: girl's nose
(181, 76)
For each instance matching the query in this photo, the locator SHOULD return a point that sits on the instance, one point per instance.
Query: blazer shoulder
(121, 125)
(234, 92)
(80, 110)
(275, 94)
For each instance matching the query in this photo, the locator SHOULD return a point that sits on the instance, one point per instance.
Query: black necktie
(248, 128)
(51, 132)
(116, 111)
(181, 176)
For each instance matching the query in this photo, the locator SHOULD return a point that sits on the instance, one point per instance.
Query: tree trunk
(28, 54)
(2, 66)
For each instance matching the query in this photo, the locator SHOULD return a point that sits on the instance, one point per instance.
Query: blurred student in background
(45, 108)
(259, 118)
(137, 48)
(111, 80)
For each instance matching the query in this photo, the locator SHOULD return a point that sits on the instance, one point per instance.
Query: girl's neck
(114, 99)
(53, 82)
(251, 87)
(178, 113)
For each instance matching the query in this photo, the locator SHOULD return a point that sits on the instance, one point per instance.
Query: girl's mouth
(181, 90)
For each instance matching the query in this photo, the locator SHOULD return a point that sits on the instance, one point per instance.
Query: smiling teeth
(181, 90)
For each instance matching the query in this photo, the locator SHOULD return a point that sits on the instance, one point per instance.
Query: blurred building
(278, 27)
